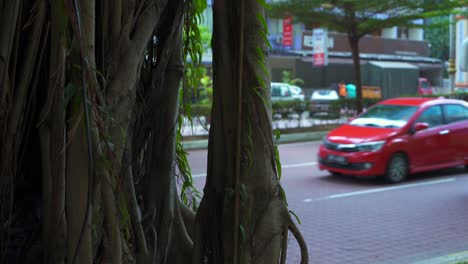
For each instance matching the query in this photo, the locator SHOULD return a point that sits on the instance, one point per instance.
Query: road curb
(285, 138)
(455, 258)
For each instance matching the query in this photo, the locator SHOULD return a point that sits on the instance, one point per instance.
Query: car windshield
(385, 116)
(324, 92)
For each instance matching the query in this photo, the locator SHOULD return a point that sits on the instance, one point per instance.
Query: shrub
(288, 107)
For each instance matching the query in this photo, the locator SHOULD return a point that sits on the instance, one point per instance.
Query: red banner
(287, 31)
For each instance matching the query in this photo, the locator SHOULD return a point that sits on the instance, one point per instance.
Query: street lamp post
(451, 67)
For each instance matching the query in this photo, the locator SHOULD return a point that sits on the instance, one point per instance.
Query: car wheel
(397, 168)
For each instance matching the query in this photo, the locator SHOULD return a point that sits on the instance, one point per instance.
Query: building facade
(461, 33)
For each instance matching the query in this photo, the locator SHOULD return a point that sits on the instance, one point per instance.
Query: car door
(430, 147)
(456, 117)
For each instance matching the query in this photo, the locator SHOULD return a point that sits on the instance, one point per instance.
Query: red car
(398, 137)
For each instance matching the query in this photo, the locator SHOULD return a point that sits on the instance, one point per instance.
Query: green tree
(287, 77)
(438, 37)
(358, 18)
(205, 36)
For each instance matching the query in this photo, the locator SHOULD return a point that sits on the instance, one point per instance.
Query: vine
(193, 52)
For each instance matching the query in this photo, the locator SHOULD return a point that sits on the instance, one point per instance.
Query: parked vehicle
(286, 92)
(424, 86)
(297, 92)
(398, 137)
(321, 101)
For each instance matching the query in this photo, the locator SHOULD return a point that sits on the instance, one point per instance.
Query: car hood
(350, 134)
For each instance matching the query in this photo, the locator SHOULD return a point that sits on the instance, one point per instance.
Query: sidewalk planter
(284, 108)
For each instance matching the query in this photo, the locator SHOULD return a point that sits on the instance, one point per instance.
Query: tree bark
(263, 213)
(20, 64)
(354, 44)
(52, 134)
(161, 205)
(76, 194)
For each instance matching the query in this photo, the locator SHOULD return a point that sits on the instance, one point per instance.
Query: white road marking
(297, 165)
(411, 185)
(199, 175)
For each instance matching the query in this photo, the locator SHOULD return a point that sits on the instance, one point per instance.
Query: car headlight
(371, 146)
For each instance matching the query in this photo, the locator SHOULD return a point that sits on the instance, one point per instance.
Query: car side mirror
(420, 126)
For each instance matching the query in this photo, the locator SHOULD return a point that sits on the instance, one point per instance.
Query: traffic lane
(301, 175)
(309, 183)
(290, 154)
(198, 161)
(394, 226)
(298, 153)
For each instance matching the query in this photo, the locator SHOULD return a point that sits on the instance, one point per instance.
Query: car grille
(357, 166)
(340, 147)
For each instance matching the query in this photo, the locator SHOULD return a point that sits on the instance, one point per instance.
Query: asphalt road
(349, 220)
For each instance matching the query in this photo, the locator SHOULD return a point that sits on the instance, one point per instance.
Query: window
(280, 90)
(432, 116)
(275, 90)
(387, 116)
(402, 33)
(455, 113)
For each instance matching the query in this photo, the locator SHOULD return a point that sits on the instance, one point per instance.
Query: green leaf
(200, 6)
(243, 192)
(277, 161)
(264, 4)
(194, 204)
(297, 217)
(283, 195)
(265, 39)
(262, 21)
(243, 233)
(277, 135)
(260, 55)
(264, 69)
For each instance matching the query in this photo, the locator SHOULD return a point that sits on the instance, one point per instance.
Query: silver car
(321, 101)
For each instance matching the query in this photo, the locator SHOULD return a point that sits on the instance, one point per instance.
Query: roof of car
(415, 101)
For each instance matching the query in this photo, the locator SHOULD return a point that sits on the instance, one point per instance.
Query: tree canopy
(358, 18)
(361, 17)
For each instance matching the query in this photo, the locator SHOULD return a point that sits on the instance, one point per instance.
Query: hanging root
(284, 242)
(300, 239)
